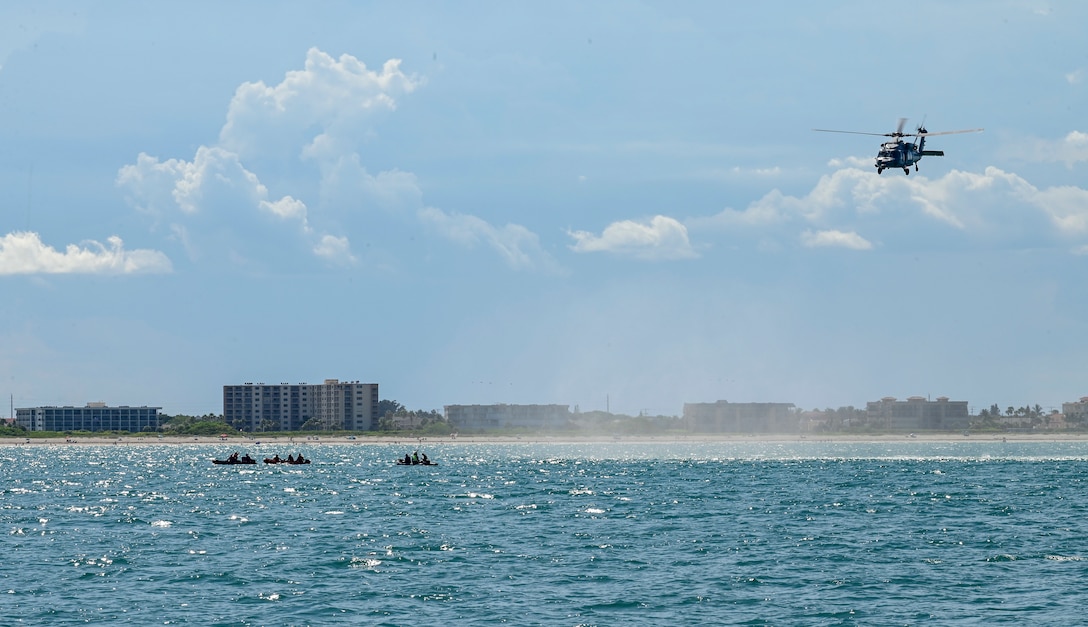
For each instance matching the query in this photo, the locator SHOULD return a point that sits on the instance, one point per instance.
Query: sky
(607, 205)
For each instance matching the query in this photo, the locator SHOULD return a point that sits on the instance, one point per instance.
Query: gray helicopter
(901, 154)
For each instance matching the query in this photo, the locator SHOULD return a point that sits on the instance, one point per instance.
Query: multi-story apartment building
(502, 416)
(93, 417)
(726, 417)
(1076, 411)
(332, 405)
(917, 413)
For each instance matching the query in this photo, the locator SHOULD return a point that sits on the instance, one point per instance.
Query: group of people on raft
(290, 460)
(234, 459)
(415, 458)
(246, 459)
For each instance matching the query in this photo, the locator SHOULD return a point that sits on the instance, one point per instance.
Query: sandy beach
(365, 440)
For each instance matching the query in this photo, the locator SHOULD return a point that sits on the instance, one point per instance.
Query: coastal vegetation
(397, 420)
(208, 424)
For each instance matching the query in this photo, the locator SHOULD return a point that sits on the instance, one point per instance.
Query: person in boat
(415, 457)
(300, 460)
(246, 459)
(407, 458)
(290, 458)
(425, 460)
(233, 457)
(276, 459)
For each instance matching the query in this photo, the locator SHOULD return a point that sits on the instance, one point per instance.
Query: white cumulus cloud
(335, 249)
(993, 206)
(315, 110)
(835, 239)
(25, 253)
(661, 237)
(202, 198)
(843, 190)
(1070, 150)
(317, 115)
(856, 162)
(215, 180)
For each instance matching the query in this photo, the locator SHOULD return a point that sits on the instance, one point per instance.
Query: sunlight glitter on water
(717, 535)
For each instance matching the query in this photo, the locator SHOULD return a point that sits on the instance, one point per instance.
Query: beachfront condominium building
(328, 406)
(502, 416)
(726, 417)
(93, 417)
(1076, 411)
(918, 413)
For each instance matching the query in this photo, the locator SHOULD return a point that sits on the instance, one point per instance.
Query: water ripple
(759, 534)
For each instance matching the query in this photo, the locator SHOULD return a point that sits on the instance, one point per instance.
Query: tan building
(332, 405)
(918, 413)
(726, 417)
(502, 416)
(1077, 411)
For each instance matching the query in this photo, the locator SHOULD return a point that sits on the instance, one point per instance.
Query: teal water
(907, 533)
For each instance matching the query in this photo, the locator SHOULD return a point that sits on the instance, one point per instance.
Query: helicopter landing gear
(906, 171)
(879, 170)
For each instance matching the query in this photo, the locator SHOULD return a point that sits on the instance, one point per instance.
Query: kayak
(231, 462)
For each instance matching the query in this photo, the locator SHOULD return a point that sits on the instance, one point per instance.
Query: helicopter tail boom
(932, 153)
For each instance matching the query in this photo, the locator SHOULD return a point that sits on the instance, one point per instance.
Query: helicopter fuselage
(900, 154)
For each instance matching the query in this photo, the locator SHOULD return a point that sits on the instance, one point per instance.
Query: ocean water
(807, 533)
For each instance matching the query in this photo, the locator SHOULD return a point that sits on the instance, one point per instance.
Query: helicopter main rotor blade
(928, 134)
(824, 130)
(899, 128)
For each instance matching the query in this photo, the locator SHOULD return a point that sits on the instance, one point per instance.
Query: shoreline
(724, 438)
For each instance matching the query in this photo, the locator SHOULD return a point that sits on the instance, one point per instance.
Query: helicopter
(900, 154)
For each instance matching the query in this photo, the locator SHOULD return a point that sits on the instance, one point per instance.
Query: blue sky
(616, 205)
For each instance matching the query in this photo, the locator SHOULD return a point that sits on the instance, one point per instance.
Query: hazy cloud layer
(25, 253)
(518, 247)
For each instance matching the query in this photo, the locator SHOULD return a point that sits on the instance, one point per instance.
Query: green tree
(387, 407)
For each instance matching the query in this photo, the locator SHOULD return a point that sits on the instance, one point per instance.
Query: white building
(93, 417)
